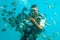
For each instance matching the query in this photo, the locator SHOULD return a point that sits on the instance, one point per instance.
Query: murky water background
(11, 8)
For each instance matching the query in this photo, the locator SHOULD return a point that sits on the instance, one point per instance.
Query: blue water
(49, 7)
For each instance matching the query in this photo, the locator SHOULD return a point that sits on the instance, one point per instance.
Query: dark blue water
(51, 8)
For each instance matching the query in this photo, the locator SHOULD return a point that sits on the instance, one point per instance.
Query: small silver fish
(44, 36)
(50, 38)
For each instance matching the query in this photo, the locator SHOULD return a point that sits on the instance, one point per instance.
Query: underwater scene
(29, 19)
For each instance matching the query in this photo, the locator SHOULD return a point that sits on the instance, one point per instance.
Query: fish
(50, 38)
(2, 14)
(10, 12)
(4, 11)
(55, 14)
(51, 6)
(14, 9)
(4, 29)
(44, 36)
(53, 20)
(4, 18)
(5, 6)
(57, 34)
(14, 4)
(11, 21)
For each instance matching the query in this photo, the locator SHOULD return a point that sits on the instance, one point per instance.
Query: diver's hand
(41, 27)
(32, 19)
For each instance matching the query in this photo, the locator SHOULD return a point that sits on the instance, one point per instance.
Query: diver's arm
(35, 22)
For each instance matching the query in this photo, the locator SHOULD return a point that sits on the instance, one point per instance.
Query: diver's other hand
(41, 27)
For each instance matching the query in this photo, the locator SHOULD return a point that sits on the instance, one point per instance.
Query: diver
(36, 20)
(32, 26)
(32, 31)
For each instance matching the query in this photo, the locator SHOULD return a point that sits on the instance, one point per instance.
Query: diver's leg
(34, 38)
(34, 35)
(26, 35)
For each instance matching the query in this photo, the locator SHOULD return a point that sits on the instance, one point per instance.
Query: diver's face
(35, 11)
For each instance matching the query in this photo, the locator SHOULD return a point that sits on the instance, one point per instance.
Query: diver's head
(34, 10)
